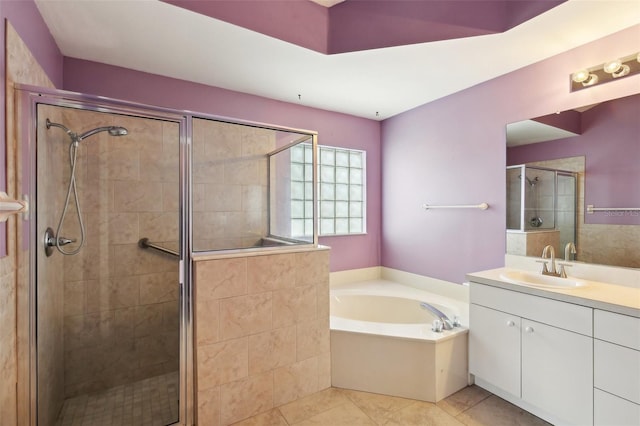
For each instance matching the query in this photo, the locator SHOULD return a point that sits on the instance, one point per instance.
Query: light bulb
(612, 66)
(584, 77)
(580, 76)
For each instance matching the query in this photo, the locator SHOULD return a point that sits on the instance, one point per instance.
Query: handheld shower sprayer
(57, 240)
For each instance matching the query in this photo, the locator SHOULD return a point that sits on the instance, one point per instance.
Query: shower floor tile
(148, 402)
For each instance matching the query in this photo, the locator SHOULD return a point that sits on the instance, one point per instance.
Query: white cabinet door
(611, 410)
(494, 347)
(557, 372)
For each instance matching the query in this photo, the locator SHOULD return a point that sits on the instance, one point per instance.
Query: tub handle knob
(510, 323)
(437, 326)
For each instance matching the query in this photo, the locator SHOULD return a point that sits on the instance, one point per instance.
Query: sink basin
(542, 281)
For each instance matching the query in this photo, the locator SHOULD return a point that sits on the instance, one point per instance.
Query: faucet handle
(563, 272)
(545, 270)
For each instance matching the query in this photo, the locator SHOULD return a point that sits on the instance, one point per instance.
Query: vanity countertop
(610, 297)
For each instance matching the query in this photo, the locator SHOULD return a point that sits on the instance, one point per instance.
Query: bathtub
(382, 341)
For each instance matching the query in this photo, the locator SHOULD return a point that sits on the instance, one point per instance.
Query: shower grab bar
(591, 209)
(146, 244)
(481, 206)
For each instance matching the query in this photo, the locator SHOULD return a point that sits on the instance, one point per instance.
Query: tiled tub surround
(121, 321)
(261, 331)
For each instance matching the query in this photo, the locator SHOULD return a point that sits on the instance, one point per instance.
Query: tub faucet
(446, 322)
(549, 252)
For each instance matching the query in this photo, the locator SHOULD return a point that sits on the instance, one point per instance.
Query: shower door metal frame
(30, 97)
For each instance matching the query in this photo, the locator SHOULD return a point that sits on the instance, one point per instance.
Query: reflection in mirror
(601, 145)
(541, 209)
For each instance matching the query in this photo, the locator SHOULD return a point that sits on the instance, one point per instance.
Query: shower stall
(121, 197)
(541, 209)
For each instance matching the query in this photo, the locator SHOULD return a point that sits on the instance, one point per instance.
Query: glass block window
(341, 191)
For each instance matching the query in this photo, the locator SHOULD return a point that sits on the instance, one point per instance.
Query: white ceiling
(531, 131)
(159, 38)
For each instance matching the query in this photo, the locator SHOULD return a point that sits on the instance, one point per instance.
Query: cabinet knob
(510, 323)
(529, 329)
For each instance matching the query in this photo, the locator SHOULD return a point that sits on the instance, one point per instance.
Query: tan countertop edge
(598, 295)
(262, 251)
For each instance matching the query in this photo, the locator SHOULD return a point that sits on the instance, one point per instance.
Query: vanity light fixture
(603, 73)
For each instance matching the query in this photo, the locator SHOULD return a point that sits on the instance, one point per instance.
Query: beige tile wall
(229, 184)
(261, 332)
(21, 67)
(50, 299)
(121, 320)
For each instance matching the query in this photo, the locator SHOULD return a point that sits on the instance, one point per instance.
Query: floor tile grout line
(471, 406)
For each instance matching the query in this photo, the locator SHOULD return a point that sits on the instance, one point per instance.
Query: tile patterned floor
(148, 402)
(154, 402)
(471, 406)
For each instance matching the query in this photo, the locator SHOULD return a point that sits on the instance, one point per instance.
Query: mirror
(601, 144)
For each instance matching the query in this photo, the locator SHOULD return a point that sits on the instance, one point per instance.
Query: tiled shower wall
(50, 273)
(121, 318)
(229, 184)
(261, 332)
(21, 67)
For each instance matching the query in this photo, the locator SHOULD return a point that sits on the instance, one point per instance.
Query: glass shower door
(108, 316)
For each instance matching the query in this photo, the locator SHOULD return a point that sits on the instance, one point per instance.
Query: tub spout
(446, 322)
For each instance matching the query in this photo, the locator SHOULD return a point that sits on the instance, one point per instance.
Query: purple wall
(334, 129)
(299, 22)
(26, 20)
(452, 151)
(610, 143)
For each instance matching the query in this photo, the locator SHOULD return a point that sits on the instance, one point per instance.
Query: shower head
(75, 138)
(113, 131)
(532, 182)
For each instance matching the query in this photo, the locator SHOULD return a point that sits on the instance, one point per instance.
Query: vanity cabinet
(616, 353)
(557, 372)
(537, 351)
(494, 347)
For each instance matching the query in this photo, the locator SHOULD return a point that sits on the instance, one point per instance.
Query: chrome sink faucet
(569, 249)
(550, 252)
